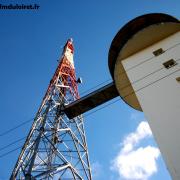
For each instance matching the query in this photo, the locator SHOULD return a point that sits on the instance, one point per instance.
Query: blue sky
(30, 44)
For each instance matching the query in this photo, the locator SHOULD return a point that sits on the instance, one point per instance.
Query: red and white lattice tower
(56, 146)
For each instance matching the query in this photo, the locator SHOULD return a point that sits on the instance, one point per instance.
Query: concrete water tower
(144, 61)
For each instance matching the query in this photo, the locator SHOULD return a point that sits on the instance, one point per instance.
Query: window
(158, 52)
(169, 64)
(178, 79)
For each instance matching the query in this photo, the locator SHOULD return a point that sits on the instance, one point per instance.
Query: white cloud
(136, 163)
(135, 116)
(133, 139)
(96, 169)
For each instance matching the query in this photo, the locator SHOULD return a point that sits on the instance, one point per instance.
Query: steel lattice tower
(56, 146)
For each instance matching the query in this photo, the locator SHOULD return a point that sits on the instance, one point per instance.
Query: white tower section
(69, 52)
(147, 76)
(158, 91)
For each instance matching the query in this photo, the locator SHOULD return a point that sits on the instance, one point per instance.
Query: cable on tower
(86, 115)
(25, 122)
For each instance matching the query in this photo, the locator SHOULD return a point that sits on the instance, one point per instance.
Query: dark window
(178, 79)
(158, 52)
(169, 64)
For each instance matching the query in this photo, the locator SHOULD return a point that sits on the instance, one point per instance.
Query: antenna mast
(56, 146)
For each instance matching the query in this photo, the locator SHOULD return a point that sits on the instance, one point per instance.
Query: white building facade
(147, 76)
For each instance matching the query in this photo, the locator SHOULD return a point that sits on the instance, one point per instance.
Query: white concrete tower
(144, 61)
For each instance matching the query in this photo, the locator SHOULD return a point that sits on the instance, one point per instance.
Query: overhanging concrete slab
(91, 100)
